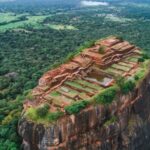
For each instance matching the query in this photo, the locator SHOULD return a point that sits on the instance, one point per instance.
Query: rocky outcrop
(123, 125)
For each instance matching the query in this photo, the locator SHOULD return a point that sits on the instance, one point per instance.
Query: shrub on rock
(42, 110)
(106, 96)
(125, 86)
(76, 107)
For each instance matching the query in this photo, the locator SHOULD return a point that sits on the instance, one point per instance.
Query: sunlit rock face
(88, 129)
(124, 124)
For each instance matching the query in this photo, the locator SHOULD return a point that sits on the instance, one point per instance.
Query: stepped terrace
(87, 74)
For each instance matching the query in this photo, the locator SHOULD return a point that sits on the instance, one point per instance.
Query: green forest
(35, 38)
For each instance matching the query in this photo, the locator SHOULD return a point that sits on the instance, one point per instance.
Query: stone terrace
(87, 74)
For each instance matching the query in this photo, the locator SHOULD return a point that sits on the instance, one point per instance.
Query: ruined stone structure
(84, 76)
(90, 67)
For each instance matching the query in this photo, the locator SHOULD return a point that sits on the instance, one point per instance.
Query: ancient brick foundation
(90, 130)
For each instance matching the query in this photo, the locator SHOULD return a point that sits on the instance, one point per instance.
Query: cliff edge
(98, 100)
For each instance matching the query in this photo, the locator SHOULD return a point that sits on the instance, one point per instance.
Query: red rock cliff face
(95, 127)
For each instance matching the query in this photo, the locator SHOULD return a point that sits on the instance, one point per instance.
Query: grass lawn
(61, 27)
(78, 86)
(125, 64)
(55, 94)
(70, 93)
(84, 96)
(133, 59)
(114, 71)
(88, 84)
(58, 98)
(34, 21)
(124, 68)
(8, 17)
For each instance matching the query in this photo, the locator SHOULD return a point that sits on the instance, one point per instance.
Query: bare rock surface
(88, 129)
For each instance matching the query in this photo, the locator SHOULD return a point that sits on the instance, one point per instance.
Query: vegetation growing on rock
(101, 50)
(110, 121)
(106, 96)
(76, 107)
(125, 86)
(43, 115)
(42, 111)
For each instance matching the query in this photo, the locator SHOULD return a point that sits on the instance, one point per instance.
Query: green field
(13, 21)
(7, 17)
(61, 27)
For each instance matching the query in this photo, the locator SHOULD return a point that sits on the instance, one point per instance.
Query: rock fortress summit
(98, 99)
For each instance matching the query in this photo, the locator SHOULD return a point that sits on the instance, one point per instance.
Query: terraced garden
(92, 82)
